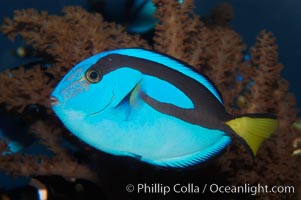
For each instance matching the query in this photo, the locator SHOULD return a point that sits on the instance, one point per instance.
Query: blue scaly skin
(147, 105)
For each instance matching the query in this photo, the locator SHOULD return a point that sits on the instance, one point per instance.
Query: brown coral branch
(21, 87)
(216, 51)
(171, 32)
(66, 39)
(25, 165)
(61, 163)
(82, 33)
(270, 91)
(49, 134)
(224, 56)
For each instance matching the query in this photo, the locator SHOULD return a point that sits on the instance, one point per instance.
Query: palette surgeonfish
(14, 133)
(139, 103)
(136, 15)
(141, 16)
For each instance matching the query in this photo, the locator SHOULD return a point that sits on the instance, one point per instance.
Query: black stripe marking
(208, 111)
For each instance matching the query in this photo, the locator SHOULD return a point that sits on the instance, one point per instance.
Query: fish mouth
(54, 101)
(105, 107)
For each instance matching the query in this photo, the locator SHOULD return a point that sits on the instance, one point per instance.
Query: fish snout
(54, 101)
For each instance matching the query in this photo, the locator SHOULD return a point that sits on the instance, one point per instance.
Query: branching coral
(182, 34)
(63, 41)
(34, 89)
(265, 58)
(208, 45)
(61, 163)
(274, 163)
(82, 34)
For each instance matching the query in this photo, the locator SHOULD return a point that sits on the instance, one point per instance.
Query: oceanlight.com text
(250, 189)
(191, 188)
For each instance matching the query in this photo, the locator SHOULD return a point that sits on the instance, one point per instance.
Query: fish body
(14, 132)
(143, 19)
(13, 146)
(135, 102)
(136, 15)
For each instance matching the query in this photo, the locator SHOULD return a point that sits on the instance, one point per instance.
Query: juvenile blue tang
(142, 17)
(14, 132)
(135, 102)
(136, 15)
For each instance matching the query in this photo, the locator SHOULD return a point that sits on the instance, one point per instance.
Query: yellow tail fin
(254, 128)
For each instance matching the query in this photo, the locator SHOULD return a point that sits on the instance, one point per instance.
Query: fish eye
(93, 75)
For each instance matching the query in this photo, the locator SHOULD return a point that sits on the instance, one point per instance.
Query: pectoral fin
(134, 94)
